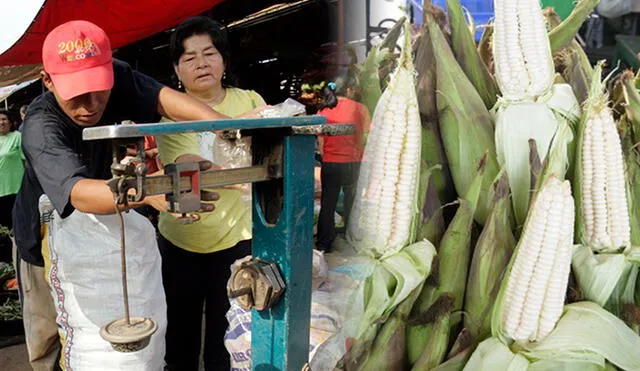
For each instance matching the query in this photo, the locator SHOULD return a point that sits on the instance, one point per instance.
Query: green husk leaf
(369, 80)
(624, 292)
(560, 36)
(388, 351)
(588, 333)
(432, 225)
(490, 259)
(432, 148)
(454, 256)
(464, 48)
(389, 42)
(597, 275)
(571, 61)
(437, 344)
(516, 124)
(493, 355)
(551, 365)
(465, 123)
(484, 47)
(456, 363)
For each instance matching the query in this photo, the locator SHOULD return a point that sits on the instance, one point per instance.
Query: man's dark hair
(195, 26)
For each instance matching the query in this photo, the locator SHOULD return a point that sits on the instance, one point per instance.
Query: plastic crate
(481, 12)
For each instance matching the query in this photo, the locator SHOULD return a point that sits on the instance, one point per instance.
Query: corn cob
(524, 67)
(535, 289)
(533, 107)
(604, 200)
(385, 206)
(600, 187)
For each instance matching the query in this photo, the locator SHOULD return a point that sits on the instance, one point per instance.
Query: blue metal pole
(280, 335)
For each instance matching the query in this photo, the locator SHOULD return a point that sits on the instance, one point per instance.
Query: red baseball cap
(77, 56)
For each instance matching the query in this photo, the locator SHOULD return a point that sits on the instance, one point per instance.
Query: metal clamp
(257, 284)
(185, 201)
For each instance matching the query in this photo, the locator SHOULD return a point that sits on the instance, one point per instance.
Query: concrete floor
(14, 358)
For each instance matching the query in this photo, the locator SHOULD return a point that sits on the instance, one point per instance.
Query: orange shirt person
(341, 156)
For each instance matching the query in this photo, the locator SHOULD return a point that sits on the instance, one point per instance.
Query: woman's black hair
(327, 97)
(10, 117)
(200, 25)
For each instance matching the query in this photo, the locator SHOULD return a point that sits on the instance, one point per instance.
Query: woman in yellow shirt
(196, 258)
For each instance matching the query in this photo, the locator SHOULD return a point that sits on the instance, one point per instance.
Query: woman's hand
(253, 114)
(159, 202)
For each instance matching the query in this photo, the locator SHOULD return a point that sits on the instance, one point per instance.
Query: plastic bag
(288, 108)
(83, 254)
(327, 308)
(614, 8)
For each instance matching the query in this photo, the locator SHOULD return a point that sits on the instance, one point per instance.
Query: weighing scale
(276, 282)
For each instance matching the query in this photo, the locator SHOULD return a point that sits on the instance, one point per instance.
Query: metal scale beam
(283, 167)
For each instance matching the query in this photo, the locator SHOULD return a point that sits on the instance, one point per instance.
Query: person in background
(23, 114)
(196, 258)
(341, 155)
(11, 167)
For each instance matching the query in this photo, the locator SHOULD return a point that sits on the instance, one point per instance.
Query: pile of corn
(497, 201)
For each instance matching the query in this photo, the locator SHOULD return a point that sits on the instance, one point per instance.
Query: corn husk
(369, 78)
(485, 48)
(425, 338)
(539, 120)
(588, 333)
(466, 125)
(571, 61)
(490, 258)
(455, 363)
(492, 355)
(562, 35)
(464, 48)
(388, 351)
(432, 148)
(389, 62)
(431, 224)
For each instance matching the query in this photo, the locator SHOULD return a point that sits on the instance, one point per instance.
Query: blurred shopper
(341, 155)
(11, 167)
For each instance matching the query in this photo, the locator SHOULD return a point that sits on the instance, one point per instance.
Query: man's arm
(178, 106)
(94, 196)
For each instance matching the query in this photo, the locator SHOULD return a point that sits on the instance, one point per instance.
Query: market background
(276, 45)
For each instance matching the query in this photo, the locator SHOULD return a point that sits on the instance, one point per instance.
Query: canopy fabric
(11, 75)
(124, 21)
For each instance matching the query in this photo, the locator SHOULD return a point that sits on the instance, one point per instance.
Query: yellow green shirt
(230, 222)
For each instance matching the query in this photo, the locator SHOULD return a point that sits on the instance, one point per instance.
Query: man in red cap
(86, 87)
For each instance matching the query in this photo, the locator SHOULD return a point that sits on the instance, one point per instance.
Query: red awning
(125, 21)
